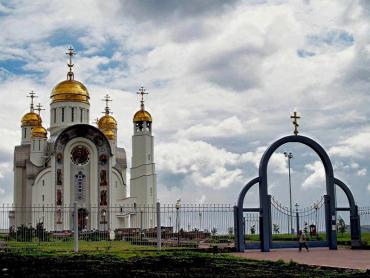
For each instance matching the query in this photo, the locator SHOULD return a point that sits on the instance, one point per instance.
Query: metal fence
(134, 227)
(120, 228)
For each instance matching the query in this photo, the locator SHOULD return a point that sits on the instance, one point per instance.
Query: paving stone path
(343, 258)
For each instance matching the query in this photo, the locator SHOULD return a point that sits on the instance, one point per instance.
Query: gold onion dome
(39, 132)
(107, 122)
(142, 116)
(70, 90)
(31, 119)
(109, 134)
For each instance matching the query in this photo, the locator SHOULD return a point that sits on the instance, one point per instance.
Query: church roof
(70, 90)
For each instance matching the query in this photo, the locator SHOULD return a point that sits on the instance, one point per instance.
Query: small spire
(295, 118)
(97, 121)
(70, 53)
(107, 99)
(39, 108)
(142, 92)
(32, 95)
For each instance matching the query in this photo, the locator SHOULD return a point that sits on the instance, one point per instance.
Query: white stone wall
(38, 147)
(26, 135)
(43, 200)
(61, 115)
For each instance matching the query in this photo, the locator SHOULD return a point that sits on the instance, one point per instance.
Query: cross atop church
(32, 95)
(39, 108)
(295, 119)
(70, 53)
(107, 99)
(142, 92)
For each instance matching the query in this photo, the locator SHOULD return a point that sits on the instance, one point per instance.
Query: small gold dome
(107, 122)
(109, 134)
(31, 119)
(39, 132)
(142, 116)
(70, 90)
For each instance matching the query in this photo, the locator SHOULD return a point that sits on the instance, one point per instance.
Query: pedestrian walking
(302, 241)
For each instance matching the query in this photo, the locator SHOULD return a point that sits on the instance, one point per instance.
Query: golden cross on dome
(39, 108)
(32, 95)
(295, 118)
(70, 53)
(107, 99)
(142, 92)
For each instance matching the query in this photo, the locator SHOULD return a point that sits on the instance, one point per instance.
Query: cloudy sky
(223, 78)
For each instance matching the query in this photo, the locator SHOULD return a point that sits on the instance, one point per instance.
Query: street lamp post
(200, 221)
(141, 224)
(104, 214)
(290, 156)
(178, 205)
(297, 216)
(87, 219)
(316, 207)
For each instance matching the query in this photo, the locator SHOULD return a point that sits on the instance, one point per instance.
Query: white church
(75, 162)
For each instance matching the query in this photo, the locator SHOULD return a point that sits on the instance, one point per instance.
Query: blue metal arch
(266, 231)
(265, 199)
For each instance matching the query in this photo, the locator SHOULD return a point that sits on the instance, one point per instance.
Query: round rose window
(80, 155)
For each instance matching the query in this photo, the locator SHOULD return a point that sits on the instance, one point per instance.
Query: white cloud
(317, 178)
(362, 172)
(226, 75)
(226, 128)
(357, 145)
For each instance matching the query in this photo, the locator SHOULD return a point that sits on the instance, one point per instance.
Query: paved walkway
(343, 258)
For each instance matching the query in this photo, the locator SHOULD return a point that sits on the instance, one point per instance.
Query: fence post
(159, 226)
(75, 226)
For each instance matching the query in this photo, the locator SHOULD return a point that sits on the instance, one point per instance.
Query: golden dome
(31, 119)
(39, 132)
(109, 134)
(107, 122)
(142, 116)
(70, 90)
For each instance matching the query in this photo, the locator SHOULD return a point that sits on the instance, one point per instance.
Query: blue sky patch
(66, 37)
(334, 38)
(14, 66)
(304, 53)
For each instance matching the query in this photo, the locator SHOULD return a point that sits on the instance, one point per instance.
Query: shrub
(24, 233)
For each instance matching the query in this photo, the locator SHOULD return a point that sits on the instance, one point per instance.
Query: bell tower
(143, 182)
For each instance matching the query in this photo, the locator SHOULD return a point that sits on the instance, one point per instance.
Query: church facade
(74, 162)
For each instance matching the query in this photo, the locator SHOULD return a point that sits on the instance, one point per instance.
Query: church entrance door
(82, 219)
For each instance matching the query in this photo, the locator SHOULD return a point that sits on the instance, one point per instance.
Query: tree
(276, 228)
(253, 229)
(341, 225)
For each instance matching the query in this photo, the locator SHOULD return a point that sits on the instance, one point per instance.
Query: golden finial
(32, 95)
(70, 53)
(39, 108)
(295, 118)
(107, 99)
(142, 92)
